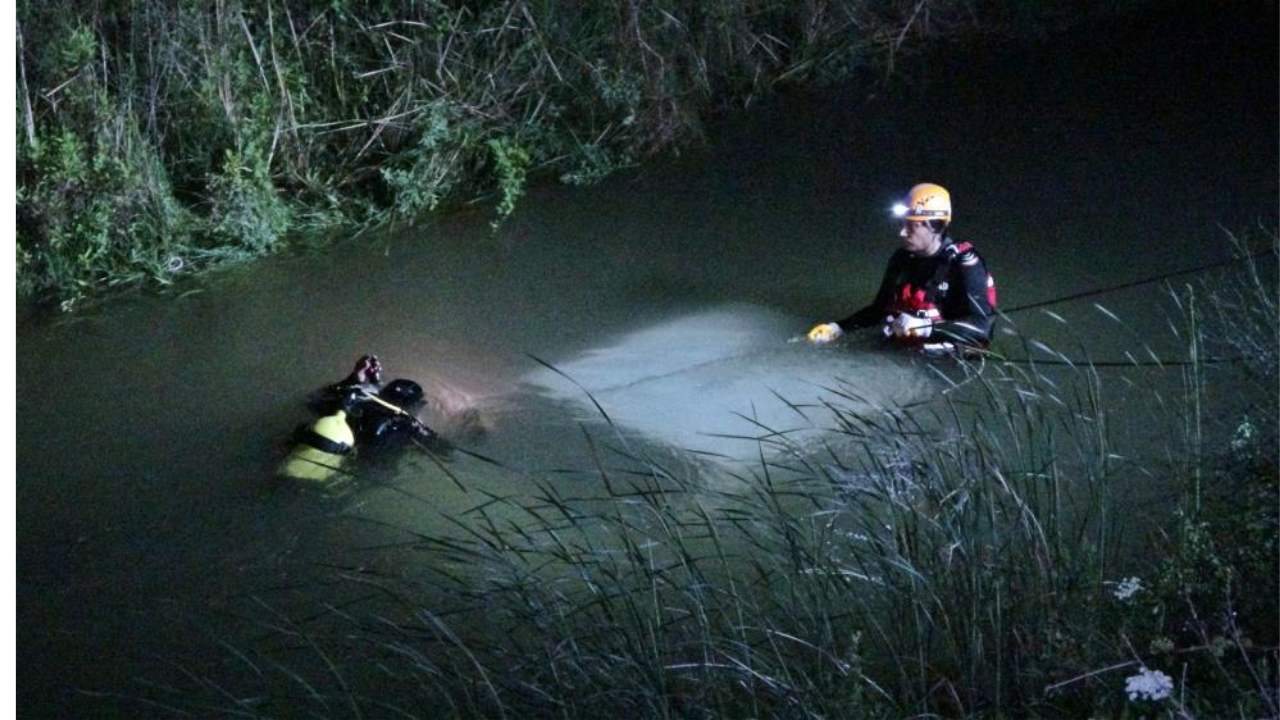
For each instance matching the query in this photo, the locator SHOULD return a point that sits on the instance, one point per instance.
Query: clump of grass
(1241, 310)
(95, 205)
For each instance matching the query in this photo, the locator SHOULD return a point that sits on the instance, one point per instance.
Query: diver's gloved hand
(907, 325)
(824, 333)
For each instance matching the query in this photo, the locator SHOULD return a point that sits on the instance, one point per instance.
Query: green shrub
(95, 205)
(511, 164)
(245, 211)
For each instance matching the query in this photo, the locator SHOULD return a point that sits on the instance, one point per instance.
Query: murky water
(148, 429)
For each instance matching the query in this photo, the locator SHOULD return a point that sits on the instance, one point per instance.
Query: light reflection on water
(712, 381)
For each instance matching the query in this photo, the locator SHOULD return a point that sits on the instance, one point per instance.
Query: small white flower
(1127, 588)
(1148, 685)
(1244, 436)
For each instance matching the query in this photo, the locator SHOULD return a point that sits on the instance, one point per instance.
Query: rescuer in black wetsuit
(936, 293)
(380, 416)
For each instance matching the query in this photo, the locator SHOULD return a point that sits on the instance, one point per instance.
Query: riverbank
(157, 140)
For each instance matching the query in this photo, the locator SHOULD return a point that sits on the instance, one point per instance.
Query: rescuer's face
(919, 239)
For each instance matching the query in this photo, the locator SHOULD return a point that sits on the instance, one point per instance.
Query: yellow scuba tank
(321, 451)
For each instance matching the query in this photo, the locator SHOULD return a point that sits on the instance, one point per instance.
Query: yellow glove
(826, 332)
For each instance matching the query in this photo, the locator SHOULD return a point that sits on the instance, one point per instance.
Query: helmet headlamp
(925, 202)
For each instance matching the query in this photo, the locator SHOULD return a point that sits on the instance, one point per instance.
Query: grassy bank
(1003, 552)
(156, 139)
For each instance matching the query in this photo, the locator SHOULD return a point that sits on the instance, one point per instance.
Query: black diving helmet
(404, 394)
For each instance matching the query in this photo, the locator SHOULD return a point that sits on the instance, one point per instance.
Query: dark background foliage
(159, 138)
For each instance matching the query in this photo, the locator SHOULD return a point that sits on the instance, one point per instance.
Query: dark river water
(149, 427)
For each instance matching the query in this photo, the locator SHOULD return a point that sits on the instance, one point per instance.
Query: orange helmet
(925, 201)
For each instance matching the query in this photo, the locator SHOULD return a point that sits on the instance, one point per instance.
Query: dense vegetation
(159, 138)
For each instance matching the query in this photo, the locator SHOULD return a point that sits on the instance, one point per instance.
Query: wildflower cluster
(1127, 588)
(1148, 685)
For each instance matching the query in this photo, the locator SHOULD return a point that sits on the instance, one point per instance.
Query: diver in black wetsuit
(936, 293)
(381, 416)
(359, 416)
